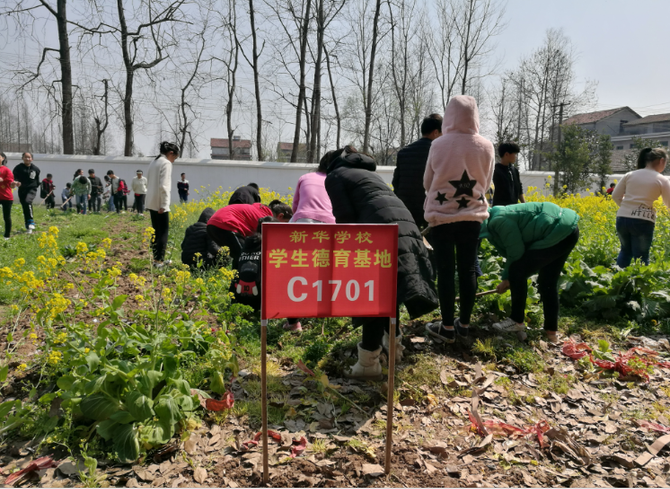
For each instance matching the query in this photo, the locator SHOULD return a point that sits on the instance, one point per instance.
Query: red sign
(329, 270)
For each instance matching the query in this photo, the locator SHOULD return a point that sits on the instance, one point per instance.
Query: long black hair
(649, 155)
(166, 148)
(4, 158)
(278, 207)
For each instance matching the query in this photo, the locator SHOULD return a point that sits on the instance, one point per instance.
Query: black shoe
(439, 332)
(460, 329)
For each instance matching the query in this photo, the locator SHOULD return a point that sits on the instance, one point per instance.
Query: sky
(620, 44)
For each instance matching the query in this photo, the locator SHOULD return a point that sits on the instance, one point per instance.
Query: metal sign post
(329, 270)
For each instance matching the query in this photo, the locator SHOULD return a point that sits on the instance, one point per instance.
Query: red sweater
(7, 176)
(240, 218)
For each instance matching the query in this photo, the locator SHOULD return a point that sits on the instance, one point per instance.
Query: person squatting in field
(359, 195)
(230, 225)
(198, 249)
(635, 195)
(534, 238)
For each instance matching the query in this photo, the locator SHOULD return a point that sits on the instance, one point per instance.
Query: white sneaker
(30, 230)
(509, 325)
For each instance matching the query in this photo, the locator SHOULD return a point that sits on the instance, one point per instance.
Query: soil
(598, 436)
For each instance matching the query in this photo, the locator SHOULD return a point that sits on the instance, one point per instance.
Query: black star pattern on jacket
(441, 197)
(462, 202)
(463, 186)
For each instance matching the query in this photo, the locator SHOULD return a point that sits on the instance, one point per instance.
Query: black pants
(161, 224)
(50, 201)
(139, 203)
(223, 237)
(548, 264)
(7, 215)
(455, 246)
(95, 203)
(374, 328)
(26, 198)
(120, 202)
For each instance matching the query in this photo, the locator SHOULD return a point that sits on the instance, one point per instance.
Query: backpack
(45, 188)
(122, 188)
(247, 285)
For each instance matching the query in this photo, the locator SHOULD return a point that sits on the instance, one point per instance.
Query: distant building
(284, 151)
(609, 122)
(221, 150)
(622, 125)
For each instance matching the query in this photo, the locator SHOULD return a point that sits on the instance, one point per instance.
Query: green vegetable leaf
(93, 360)
(98, 407)
(139, 405)
(126, 445)
(157, 432)
(3, 373)
(168, 410)
(7, 406)
(65, 382)
(106, 429)
(147, 381)
(122, 417)
(118, 302)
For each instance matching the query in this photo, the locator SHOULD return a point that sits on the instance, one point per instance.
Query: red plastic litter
(298, 446)
(658, 428)
(575, 350)
(39, 464)
(304, 368)
(227, 402)
(498, 428)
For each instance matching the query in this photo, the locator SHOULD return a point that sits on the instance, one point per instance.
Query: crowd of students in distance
(82, 194)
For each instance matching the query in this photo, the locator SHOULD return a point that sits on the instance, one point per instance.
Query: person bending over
(534, 238)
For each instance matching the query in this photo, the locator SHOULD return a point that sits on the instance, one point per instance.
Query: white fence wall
(211, 174)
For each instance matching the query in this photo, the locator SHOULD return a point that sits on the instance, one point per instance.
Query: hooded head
(350, 158)
(206, 215)
(484, 230)
(461, 116)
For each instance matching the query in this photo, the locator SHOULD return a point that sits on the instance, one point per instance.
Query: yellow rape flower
(22, 367)
(107, 243)
(55, 357)
(82, 248)
(19, 262)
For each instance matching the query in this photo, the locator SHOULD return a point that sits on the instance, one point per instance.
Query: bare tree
(367, 102)
(25, 9)
(254, 63)
(101, 124)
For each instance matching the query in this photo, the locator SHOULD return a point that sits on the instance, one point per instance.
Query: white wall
(211, 174)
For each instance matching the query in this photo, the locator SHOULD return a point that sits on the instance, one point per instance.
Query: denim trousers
(635, 236)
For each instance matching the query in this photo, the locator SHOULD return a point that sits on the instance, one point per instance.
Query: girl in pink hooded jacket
(458, 173)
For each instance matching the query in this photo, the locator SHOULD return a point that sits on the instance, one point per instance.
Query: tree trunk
(338, 119)
(301, 87)
(257, 87)
(368, 101)
(313, 153)
(66, 77)
(130, 73)
(99, 127)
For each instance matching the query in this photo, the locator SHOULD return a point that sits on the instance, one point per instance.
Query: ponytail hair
(278, 207)
(650, 155)
(169, 147)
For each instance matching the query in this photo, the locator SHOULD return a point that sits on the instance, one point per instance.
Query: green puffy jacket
(513, 229)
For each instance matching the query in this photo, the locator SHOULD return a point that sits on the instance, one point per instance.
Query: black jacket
(507, 185)
(29, 176)
(96, 186)
(196, 240)
(245, 195)
(359, 195)
(408, 177)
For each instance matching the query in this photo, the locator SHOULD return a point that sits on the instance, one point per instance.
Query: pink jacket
(459, 169)
(311, 200)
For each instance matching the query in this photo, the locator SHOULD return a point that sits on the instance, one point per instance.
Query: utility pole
(560, 149)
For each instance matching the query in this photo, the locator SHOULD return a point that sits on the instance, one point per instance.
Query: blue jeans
(635, 236)
(82, 200)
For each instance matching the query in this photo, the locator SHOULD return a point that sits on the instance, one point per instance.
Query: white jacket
(139, 185)
(158, 184)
